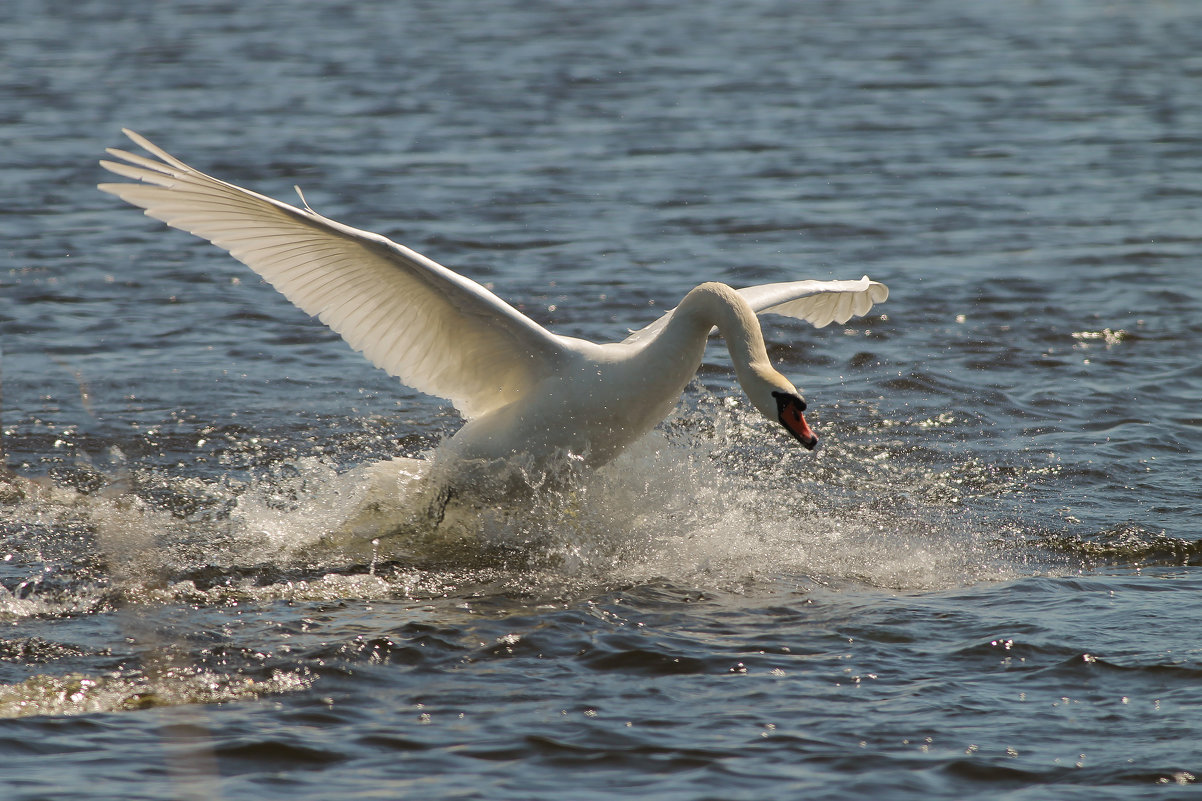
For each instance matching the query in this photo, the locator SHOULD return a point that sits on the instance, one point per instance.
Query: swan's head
(789, 408)
(777, 399)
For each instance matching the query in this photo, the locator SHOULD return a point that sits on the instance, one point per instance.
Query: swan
(522, 390)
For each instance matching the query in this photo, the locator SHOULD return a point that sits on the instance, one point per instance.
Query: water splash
(707, 500)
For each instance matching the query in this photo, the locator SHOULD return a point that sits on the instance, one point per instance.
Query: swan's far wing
(435, 330)
(817, 302)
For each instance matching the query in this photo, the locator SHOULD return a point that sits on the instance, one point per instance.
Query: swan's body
(523, 390)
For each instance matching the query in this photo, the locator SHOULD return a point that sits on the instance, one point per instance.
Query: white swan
(523, 390)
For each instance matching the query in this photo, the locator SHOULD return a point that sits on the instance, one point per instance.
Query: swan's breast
(599, 401)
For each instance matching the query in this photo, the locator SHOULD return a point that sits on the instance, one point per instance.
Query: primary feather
(435, 330)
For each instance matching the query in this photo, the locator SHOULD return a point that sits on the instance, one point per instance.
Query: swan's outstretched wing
(819, 303)
(435, 330)
(816, 302)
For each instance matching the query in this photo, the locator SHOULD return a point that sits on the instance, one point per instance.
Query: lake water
(984, 584)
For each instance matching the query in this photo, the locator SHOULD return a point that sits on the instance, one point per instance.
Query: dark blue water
(984, 584)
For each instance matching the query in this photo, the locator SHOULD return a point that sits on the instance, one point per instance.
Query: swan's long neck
(714, 304)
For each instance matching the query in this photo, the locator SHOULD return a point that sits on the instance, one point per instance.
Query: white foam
(700, 504)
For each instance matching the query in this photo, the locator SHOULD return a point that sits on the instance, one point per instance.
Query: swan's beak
(790, 408)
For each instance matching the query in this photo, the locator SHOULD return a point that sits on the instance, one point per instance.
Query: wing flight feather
(435, 330)
(817, 302)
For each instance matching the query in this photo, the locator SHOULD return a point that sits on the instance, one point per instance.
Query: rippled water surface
(984, 583)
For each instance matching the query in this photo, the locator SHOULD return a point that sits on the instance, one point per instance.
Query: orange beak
(790, 408)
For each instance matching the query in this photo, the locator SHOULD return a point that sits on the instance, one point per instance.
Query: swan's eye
(784, 399)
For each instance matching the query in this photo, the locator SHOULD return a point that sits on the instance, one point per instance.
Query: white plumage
(522, 389)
